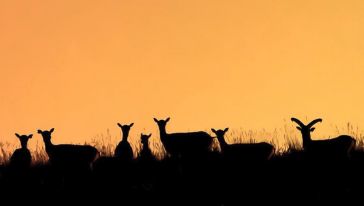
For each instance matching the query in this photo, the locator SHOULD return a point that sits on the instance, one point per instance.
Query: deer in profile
(336, 148)
(145, 153)
(189, 143)
(244, 151)
(21, 158)
(123, 150)
(68, 154)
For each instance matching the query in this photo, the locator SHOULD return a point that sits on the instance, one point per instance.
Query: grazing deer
(124, 151)
(190, 143)
(21, 157)
(68, 154)
(247, 151)
(339, 147)
(145, 153)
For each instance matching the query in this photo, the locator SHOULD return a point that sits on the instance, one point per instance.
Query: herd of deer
(180, 144)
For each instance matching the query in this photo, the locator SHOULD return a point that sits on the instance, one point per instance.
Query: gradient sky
(82, 66)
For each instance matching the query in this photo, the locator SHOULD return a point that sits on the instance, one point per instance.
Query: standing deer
(68, 155)
(124, 151)
(339, 147)
(21, 158)
(189, 143)
(244, 151)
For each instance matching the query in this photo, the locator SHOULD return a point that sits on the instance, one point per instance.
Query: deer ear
(226, 129)
(52, 130)
(131, 124)
(39, 131)
(156, 120)
(299, 128)
(17, 135)
(150, 135)
(30, 136)
(119, 125)
(312, 129)
(167, 120)
(213, 130)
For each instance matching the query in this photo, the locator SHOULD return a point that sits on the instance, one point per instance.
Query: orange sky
(81, 66)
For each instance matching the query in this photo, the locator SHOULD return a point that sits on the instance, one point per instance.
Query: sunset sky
(82, 66)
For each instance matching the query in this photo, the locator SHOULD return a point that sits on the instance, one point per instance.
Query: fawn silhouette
(185, 144)
(146, 167)
(145, 153)
(66, 155)
(244, 151)
(336, 148)
(21, 158)
(123, 150)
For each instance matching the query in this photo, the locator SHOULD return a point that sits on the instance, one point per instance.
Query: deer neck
(48, 145)
(125, 137)
(24, 145)
(306, 140)
(145, 147)
(163, 133)
(223, 143)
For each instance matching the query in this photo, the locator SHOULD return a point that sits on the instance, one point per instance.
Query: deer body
(66, 154)
(338, 147)
(248, 151)
(183, 143)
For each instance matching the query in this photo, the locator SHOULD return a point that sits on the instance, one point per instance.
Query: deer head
(220, 135)
(23, 139)
(305, 129)
(144, 138)
(125, 130)
(46, 134)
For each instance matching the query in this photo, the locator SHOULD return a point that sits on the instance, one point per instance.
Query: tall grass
(285, 139)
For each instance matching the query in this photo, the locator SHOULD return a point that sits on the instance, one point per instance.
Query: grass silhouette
(209, 181)
(286, 140)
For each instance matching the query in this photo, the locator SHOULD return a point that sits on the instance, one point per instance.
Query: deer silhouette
(335, 148)
(145, 153)
(183, 144)
(247, 151)
(123, 150)
(68, 154)
(21, 158)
